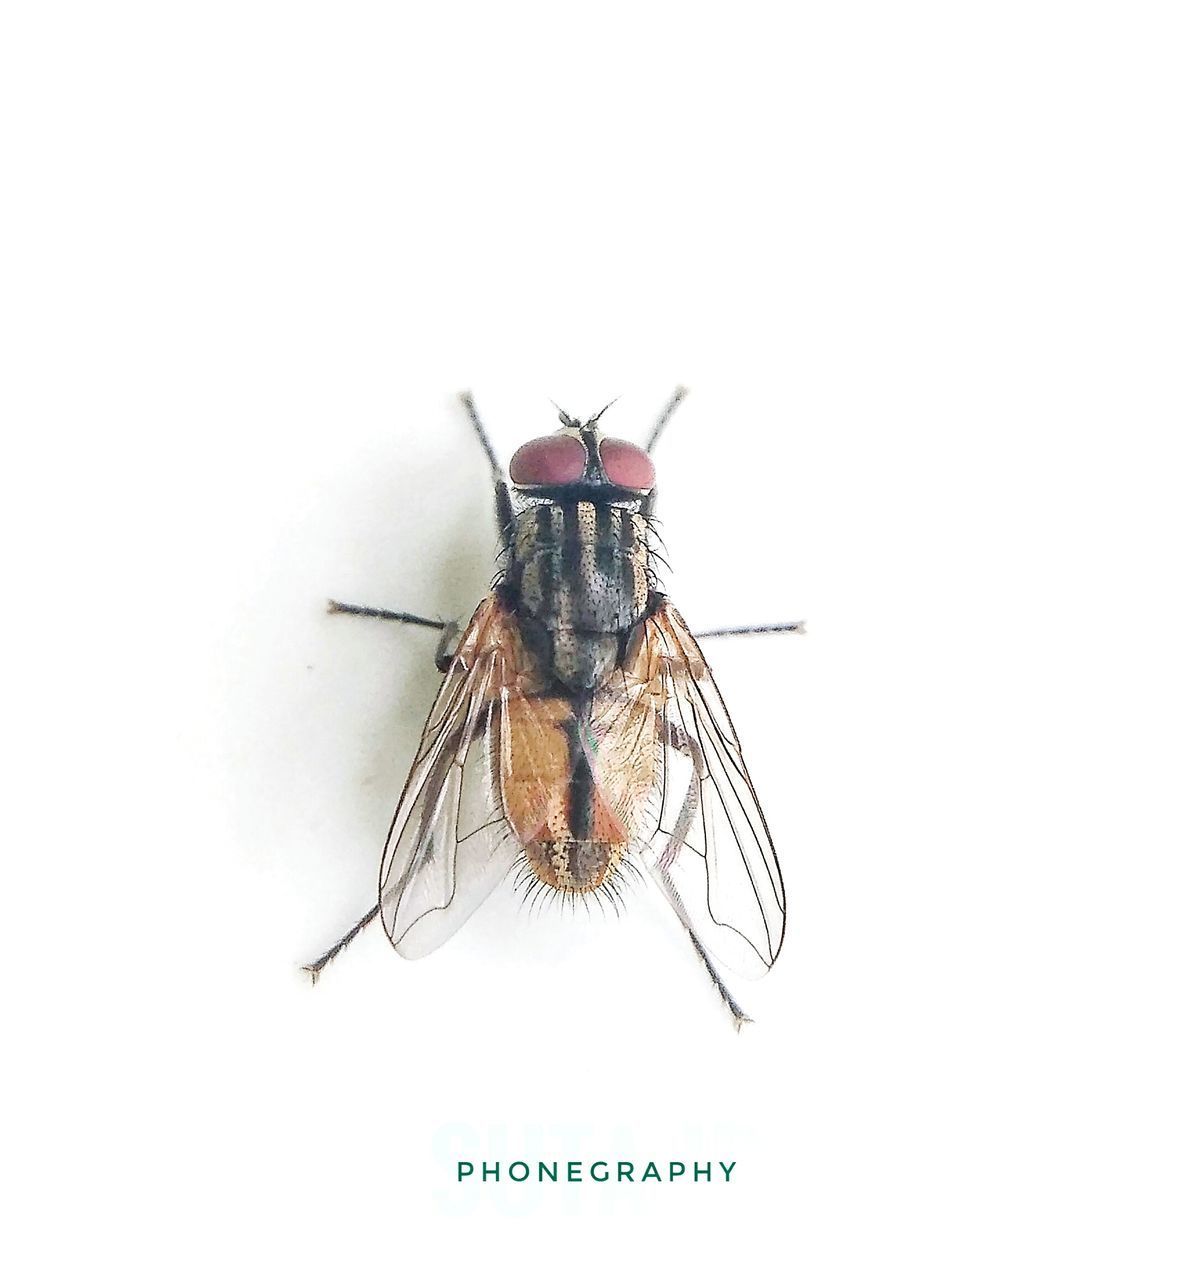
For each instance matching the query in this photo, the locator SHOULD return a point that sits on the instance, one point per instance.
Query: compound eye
(555, 459)
(627, 465)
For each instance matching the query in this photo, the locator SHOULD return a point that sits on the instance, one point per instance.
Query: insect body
(578, 733)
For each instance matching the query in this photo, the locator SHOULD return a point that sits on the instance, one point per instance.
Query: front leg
(503, 505)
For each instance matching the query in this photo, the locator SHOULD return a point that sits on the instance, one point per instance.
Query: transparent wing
(449, 844)
(705, 839)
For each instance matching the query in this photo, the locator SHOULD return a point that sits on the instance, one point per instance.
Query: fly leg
(391, 615)
(316, 967)
(736, 1011)
(681, 741)
(503, 508)
(764, 629)
(450, 632)
(662, 421)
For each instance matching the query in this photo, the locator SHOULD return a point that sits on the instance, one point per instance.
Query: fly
(578, 735)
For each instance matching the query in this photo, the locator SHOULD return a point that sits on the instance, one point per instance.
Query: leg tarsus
(316, 967)
(450, 632)
(482, 434)
(503, 506)
(736, 1010)
(390, 615)
(662, 421)
(797, 628)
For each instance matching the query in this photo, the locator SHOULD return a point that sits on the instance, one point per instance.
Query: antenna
(566, 418)
(592, 421)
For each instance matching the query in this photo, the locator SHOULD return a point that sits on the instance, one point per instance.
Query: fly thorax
(580, 580)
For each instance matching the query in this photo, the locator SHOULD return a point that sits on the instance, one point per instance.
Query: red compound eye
(627, 465)
(549, 460)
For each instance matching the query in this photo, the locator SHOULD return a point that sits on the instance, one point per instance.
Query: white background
(927, 269)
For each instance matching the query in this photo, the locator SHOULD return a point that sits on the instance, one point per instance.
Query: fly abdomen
(567, 821)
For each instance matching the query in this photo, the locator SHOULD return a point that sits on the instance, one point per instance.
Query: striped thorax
(580, 581)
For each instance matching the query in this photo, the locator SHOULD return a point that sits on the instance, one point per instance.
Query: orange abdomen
(570, 816)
